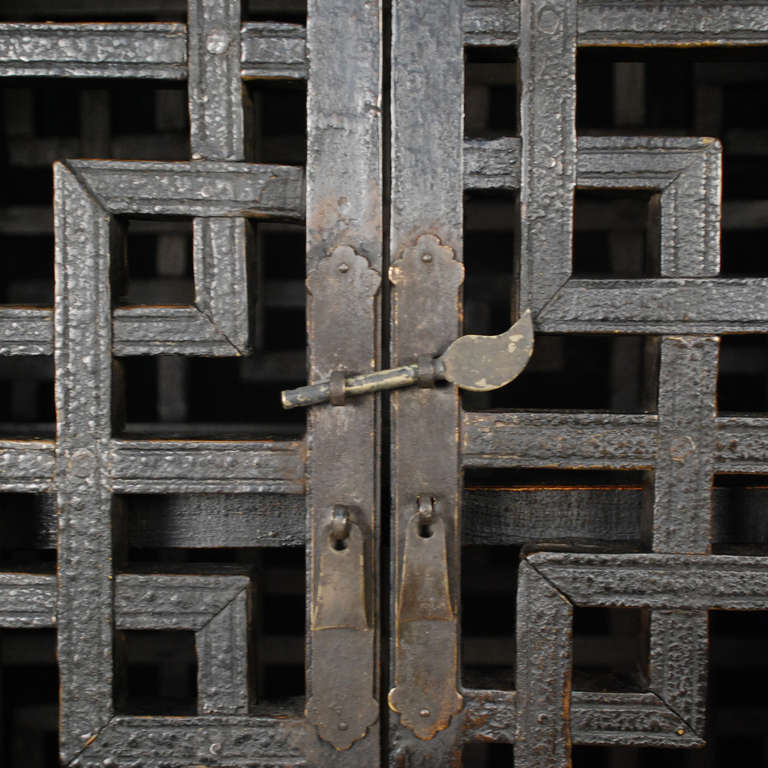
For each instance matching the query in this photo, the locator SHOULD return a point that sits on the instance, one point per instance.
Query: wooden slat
(83, 482)
(548, 163)
(564, 440)
(26, 465)
(674, 22)
(426, 251)
(668, 582)
(194, 189)
(491, 22)
(601, 516)
(629, 719)
(215, 92)
(156, 51)
(271, 50)
(344, 262)
(542, 672)
(676, 306)
(167, 466)
(644, 23)
(177, 742)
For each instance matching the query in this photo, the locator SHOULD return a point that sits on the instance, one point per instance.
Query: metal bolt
(426, 257)
(343, 268)
(425, 712)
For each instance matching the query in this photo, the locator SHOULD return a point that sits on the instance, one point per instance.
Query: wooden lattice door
(247, 193)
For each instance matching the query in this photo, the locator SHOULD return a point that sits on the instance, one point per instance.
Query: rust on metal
(342, 706)
(472, 362)
(425, 693)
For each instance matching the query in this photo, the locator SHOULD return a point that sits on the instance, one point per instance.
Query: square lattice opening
(279, 323)
(719, 92)
(29, 696)
(491, 102)
(155, 673)
(28, 532)
(294, 11)
(93, 10)
(615, 373)
(610, 649)
(488, 589)
(280, 638)
(277, 121)
(742, 382)
(490, 258)
(157, 267)
(477, 755)
(616, 233)
(740, 520)
(220, 398)
(26, 397)
(174, 534)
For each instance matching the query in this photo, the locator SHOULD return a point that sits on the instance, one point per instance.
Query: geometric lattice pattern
(83, 466)
(684, 444)
(688, 305)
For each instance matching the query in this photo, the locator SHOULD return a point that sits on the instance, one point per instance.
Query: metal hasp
(426, 278)
(342, 706)
(477, 363)
(426, 629)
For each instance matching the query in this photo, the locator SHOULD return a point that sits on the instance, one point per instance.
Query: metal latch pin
(476, 363)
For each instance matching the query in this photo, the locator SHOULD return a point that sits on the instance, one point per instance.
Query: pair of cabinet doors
(373, 488)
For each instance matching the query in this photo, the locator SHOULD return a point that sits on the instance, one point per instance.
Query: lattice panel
(677, 297)
(193, 221)
(188, 174)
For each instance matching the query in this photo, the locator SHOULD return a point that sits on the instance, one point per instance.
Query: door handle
(477, 363)
(426, 649)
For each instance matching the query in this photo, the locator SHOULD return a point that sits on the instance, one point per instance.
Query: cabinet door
(182, 515)
(609, 443)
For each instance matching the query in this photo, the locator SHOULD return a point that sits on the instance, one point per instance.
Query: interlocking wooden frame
(215, 608)
(87, 197)
(551, 584)
(684, 443)
(85, 466)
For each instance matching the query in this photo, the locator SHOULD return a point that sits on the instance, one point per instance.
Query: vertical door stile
(426, 272)
(547, 55)
(344, 262)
